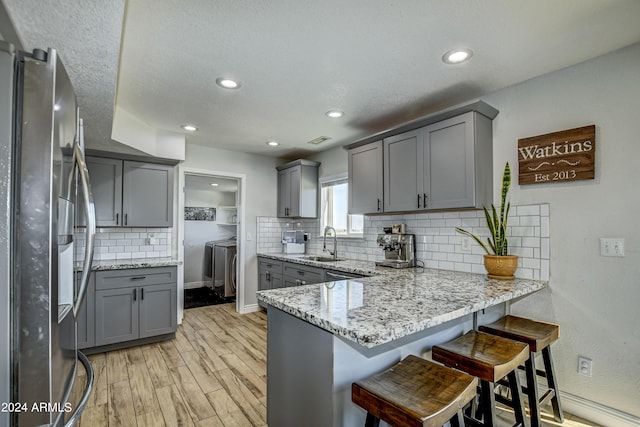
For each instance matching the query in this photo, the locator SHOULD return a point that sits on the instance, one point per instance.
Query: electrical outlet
(611, 247)
(466, 244)
(584, 366)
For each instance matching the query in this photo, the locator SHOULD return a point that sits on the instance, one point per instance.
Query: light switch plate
(613, 247)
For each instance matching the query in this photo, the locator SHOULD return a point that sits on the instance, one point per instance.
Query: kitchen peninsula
(324, 336)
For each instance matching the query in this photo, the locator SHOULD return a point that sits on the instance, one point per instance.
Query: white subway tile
(531, 242)
(451, 214)
(455, 257)
(544, 248)
(529, 221)
(544, 269)
(460, 266)
(453, 222)
(524, 273)
(544, 209)
(528, 210)
(544, 226)
(445, 265)
(531, 263)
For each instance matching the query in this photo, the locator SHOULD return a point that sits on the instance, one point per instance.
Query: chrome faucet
(335, 242)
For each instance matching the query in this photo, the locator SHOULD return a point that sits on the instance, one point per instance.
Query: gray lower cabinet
(135, 303)
(86, 318)
(297, 274)
(365, 179)
(269, 273)
(445, 165)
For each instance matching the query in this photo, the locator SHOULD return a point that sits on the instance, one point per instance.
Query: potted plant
(497, 261)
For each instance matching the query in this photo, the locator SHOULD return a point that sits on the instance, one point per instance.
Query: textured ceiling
(379, 61)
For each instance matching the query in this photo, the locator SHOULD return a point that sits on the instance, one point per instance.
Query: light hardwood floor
(213, 374)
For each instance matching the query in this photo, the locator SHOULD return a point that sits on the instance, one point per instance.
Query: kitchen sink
(320, 258)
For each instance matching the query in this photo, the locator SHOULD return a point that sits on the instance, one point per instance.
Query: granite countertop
(123, 264)
(394, 302)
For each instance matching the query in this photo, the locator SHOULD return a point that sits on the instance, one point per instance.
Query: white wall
(594, 299)
(261, 184)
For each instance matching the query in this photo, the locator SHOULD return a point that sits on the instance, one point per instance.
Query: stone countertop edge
(394, 302)
(125, 264)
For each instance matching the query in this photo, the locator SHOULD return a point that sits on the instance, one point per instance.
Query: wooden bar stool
(539, 336)
(415, 393)
(490, 358)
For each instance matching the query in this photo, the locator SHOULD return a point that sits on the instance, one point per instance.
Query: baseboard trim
(250, 308)
(195, 285)
(596, 412)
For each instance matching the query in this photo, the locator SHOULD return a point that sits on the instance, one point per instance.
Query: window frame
(332, 180)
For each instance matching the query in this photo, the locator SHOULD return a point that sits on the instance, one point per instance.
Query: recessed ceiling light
(272, 143)
(457, 56)
(227, 83)
(56, 107)
(334, 114)
(214, 184)
(190, 128)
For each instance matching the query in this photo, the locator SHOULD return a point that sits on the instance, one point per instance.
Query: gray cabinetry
(365, 179)
(147, 195)
(130, 194)
(457, 162)
(402, 171)
(298, 189)
(297, 275)
(441, 166)
(135, 303)
(270, 274)
(86, 317)
(106, 187)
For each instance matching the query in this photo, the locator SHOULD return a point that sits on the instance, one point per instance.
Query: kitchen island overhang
(322, 337)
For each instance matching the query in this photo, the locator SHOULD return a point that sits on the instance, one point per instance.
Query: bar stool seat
(490, 358)
(415, 393)
(538, 336)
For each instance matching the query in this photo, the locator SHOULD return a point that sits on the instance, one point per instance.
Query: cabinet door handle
(268, 276)
(418, 201)
(378, 205)
(142, 293)
(139, 278)
(303, 282)
(424, 199)
(125, 219)
(117, 219)
(135, 294)
(297, 282)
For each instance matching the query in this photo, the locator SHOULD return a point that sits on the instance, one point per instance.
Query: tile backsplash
(438, 245)
(127, 243)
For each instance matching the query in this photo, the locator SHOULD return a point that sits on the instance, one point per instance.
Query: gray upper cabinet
(402, 171)
(441, 166)
(365, 179)
(298, 189)
(147, 195)
(106, 187)
(457, 162)
(130, 194)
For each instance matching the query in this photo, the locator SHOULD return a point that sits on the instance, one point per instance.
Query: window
(334, 207)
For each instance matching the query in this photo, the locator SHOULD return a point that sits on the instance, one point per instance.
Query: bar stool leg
(516, 398)
(551, 382)
(458, 420)
(532, 390)
(372, 421)
(488, 403)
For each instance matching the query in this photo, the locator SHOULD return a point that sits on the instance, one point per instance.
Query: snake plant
(497, 223)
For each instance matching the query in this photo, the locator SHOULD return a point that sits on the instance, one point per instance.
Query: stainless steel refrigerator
(43, 176)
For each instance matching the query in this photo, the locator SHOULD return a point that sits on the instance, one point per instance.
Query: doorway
(210, 224)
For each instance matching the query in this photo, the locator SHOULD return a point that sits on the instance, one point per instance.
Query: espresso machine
(399, 250)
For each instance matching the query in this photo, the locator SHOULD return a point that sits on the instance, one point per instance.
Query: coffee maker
(399, 250)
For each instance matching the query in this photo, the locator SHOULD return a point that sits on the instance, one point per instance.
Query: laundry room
(210, 229)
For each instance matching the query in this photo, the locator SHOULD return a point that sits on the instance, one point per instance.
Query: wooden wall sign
(568, 155)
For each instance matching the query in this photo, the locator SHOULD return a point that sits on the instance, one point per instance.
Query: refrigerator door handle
(90, 215)
(86, 393)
